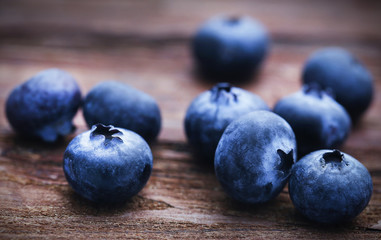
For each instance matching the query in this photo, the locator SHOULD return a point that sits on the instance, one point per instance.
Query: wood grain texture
(145, 44)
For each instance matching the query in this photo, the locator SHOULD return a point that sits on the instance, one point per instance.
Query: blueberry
(317, 119)
(211, 112)
(254, 157)
(43, 107)
(328, 186)
(230, 48)
(339, 70)
(107, 164)
(121, 105)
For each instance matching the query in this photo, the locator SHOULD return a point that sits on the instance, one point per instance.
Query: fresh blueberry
(212, 111)
(107, 164)
(118, 104)
(329, 186)
(43, 107)
(230, 48)
(339, 70)
(317, 119)
(254, 157)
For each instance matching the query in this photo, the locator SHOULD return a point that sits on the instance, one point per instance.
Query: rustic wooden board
(145, 44)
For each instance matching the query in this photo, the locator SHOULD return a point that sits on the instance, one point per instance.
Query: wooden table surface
(146, 44)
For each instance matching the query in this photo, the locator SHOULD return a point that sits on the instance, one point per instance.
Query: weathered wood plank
(182, 197)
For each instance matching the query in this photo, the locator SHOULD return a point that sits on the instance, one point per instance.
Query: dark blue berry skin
(254, 157)
(338, 70)
(328, 186)
(211, 112)
(43, 107)
(230, 48)
(107, 164)
(318, 121)
(118, 104)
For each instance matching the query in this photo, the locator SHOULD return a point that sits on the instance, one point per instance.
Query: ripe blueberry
(107, 164)
(254, 157)
(339, 70)
(230, 48)
(318, 121)
(44, 106)
(329, 186)
(121, 105)
(212, 111)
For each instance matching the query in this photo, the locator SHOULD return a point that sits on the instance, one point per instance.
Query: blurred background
(146, 44)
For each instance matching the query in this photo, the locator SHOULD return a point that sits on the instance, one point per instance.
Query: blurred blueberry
(211, 112)
(43, 107)
(230, 48)
(329, 186)
(118, 104)
(336, 69)
(254, 157)
(317, 119)
(107, 164)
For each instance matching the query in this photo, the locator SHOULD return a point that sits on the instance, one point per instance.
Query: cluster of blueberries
(254, 149)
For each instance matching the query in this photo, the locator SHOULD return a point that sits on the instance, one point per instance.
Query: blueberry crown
(106, 131)
(222, 92)
(316, 90)
(335, 158)
(287, 160)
